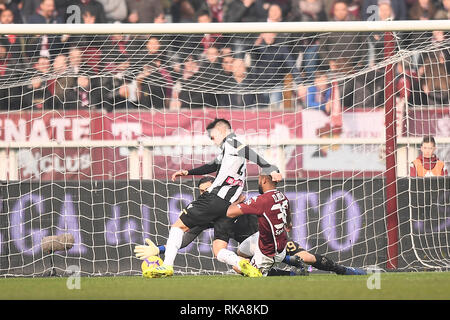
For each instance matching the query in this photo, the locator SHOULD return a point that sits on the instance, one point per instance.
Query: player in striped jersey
(230, 168)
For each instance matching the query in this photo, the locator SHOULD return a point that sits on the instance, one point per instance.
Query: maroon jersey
(271, 209)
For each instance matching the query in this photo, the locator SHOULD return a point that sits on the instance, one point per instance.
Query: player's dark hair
(428, 139)
(204, 180)
(217, 121)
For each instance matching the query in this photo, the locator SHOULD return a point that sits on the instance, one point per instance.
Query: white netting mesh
(93, 127)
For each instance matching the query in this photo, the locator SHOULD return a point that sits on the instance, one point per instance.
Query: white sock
(229, 257)
(173, 245)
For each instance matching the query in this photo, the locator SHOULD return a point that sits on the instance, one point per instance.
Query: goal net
(92, 126)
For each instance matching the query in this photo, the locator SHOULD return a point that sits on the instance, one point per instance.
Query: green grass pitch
(411, 285)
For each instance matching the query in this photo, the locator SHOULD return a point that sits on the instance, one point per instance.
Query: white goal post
(100, 170)
(249, 27)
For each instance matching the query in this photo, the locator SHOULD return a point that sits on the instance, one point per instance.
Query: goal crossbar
(163, 142)
(251, 27)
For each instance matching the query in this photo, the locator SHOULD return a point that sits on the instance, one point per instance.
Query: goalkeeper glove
(145, 251)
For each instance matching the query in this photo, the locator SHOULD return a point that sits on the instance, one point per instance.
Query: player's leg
(188, 237)
(326, 264)
(200, 212)
(265, 263)
(172, 246)
(192, 234)
(174, 241)
(318, 261)
(222, 229)
(247, 247)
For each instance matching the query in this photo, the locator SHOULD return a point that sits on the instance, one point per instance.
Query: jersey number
(240, 169)
(282, 207)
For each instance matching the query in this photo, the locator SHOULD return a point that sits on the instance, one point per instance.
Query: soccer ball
(151, 262)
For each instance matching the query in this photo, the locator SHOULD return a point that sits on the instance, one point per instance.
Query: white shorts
(249, 247)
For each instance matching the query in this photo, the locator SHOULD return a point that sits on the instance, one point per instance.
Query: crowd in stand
(213, 70)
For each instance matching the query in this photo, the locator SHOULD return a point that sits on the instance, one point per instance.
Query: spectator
(274, 13)
(94, 8)
(427, 164)
(29, 7)
(88, 95)
(37, 95)
(444, 12)
(385, 10)
(90, 45)
(422, 10)
(308, 46)
(340, 11)
(354, 7)
(44, 45)
(208, 39)
(210, 72)
(407, 85)
(183, 11)
(89, 16)
(144, 11)
(63, 87)
(15, 44)
(89, 89)
(115, 10)
(227, 61)
(155, 50)
(215, 8)
(119, 91)
(352, 47)
(75, 61)
(385, 13)
(434, 80)
(354, 91)
(240, 87)
(244, 11)
(10, 96)
(160, 18)
(6, 16)
(13, 16)
(319, 94)
(46, 13)
(307, 10)
(154, 86)
(117, 53)
(325, 97)
(155, 82)
(189, 94)
(369, 7)
(273, 62)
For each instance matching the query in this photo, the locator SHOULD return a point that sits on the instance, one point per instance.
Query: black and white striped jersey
(231, 171)
(231, 168)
